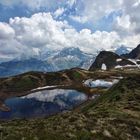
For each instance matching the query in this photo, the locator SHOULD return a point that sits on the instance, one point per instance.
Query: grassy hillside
(113, 116)
(28, 81)
(31, 80)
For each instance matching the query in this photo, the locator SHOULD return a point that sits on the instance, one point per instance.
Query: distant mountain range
(68, 58)
(51, 61)
(122, 50)
(134, 54)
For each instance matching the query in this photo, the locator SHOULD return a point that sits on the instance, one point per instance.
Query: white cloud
(6, 32)
(39, 31)
(131, 41)
(136, 4)
(129, 22)
(91, 42)
(71, 2)
(79, 18)
(59, 12)
(93, 11)
(123, 25)
(133, 12)
(89, 11)
(43, 32)
(10, 47)
(124, 21)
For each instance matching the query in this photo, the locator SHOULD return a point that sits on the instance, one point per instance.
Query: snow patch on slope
(104, 67)
(118, 60)
(100, 83)
(135, 62)
(45, 87)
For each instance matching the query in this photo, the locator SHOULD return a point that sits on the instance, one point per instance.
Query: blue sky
(38, 25)
(8, 11)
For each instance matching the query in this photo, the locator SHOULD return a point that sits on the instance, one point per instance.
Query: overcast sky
(29, 26)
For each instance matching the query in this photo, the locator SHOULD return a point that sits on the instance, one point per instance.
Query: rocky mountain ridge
(108, 60)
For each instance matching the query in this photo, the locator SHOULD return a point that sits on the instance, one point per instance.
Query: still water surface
(42, 104)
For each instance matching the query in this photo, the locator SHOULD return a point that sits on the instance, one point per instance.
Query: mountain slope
(18, 67)
(115, 115)
(109, 60)
(134, 54)
(122, 50)
(69, 58)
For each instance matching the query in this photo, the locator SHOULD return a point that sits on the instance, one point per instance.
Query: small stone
(93, 131)
(107, 133)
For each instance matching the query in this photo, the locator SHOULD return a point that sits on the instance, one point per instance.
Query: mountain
(134, 54)
(108, 60)
(69, 58)
(51, 61)
(17, 67)
(122, 50)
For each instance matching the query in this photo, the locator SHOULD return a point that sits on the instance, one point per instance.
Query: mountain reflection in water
(42, 104)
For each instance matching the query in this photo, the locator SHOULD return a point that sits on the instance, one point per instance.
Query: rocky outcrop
(108, 60)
